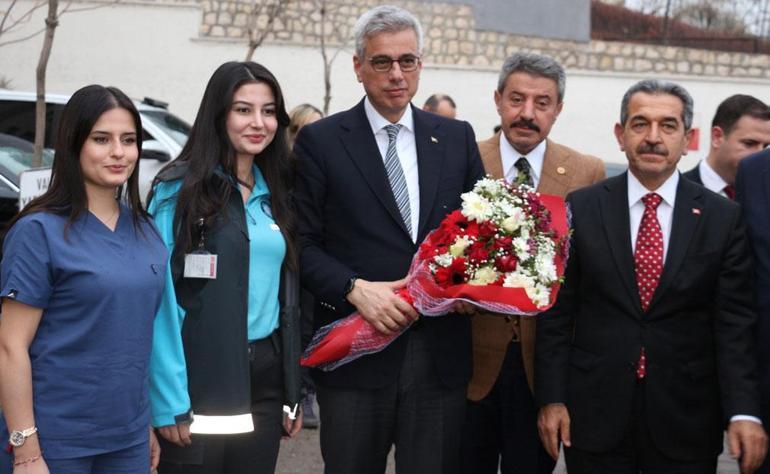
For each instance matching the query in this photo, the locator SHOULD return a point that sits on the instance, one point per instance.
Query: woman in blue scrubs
(81, 279)
(222, 369)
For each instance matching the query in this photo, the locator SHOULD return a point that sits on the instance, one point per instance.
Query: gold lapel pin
(561, 170)
(434, 139)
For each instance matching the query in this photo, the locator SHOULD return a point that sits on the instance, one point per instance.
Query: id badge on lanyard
(200, 263)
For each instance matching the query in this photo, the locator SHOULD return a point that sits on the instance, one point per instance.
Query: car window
(175, 127)
(17, 118)
(15, 160)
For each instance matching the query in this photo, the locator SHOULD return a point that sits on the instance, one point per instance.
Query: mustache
(524, 123)
(648, 149)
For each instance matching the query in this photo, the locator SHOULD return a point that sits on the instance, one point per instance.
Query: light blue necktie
(396, 176)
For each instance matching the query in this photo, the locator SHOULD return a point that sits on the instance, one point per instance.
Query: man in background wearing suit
(752, 185)
(741, 126)
(501, 418)
(372, 182)
(649, 352)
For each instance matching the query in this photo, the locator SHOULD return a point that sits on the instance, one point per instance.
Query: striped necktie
(396, 176)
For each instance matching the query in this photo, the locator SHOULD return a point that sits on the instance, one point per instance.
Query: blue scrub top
(99, 291)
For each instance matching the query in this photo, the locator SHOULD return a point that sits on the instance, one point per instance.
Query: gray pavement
(303, 456)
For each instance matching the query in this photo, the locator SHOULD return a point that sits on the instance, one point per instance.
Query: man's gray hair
(385, 19)
(655, 86)
(536, 65)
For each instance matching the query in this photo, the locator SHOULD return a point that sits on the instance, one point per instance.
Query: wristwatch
(17, 438)
(350, 285)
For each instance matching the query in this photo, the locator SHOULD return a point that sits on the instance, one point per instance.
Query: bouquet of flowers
(504, 251)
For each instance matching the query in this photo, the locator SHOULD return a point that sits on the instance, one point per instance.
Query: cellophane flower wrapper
(504, 252)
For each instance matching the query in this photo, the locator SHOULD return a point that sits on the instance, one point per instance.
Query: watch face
(16, 438)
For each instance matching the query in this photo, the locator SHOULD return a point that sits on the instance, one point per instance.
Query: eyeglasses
(407, 63)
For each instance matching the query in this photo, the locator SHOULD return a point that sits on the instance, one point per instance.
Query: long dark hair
(203, 194)
(66, 193)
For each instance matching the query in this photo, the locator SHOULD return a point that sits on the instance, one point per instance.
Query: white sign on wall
(32, 183)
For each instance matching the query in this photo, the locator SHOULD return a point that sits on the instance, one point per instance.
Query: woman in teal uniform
(82, 274)
(222, 369)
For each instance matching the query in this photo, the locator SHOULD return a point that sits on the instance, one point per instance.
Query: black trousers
(501, 429)
(636, 452)
(417, 413)
(245, 453)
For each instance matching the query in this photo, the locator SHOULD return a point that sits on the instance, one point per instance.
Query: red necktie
(729, 191)
(648, 259)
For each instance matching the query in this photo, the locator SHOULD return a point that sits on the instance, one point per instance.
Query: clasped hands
(378, 303)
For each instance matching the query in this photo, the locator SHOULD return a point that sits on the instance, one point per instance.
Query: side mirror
(154, 150)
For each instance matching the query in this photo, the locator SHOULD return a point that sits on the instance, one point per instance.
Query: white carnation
(518, 280)
(484, 276)
(545, 268)
(476, 207)
(521, 249)
(539, 295)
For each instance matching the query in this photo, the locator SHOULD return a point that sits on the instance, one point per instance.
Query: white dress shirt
(510, 156)
(407, 155)
(711, 180)
(667, 191)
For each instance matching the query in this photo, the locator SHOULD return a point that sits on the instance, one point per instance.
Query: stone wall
(452, 38)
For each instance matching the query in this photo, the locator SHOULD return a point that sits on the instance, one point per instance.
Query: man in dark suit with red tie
(648, 354)
(741, 126)
(753, 194)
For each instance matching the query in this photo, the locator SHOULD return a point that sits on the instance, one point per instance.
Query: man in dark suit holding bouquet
(372, 182)
(648, 354)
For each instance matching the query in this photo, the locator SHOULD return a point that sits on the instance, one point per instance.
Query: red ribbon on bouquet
(352, 337)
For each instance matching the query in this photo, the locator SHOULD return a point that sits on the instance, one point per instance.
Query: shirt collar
(711, 180)
(510, 156)
(260, 185)
(636, 190)
(378, 122)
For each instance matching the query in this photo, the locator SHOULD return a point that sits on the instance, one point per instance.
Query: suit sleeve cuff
(745, 418)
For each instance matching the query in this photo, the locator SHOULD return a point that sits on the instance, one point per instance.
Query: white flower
(539, 295)
(457, 248)
(521, 248)
(484, 276)
(518, 280)
(545, 268)
(444, 259)
(490, 186)
(476, 207)
(516, 218)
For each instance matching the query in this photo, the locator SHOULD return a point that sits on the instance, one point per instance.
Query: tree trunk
(51, 22)
(327, 62)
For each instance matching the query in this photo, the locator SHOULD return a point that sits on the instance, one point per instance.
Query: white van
(163, 136)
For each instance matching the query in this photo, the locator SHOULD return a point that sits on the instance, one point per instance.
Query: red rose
(477, 252)
(487, 230)
(503, 243)
(506, 263)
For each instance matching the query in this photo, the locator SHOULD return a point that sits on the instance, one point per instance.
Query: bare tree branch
(23, 18)
(255, 34)
(28, 13)
(51, 22)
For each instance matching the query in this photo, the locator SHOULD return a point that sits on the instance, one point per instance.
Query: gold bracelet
(28, 460)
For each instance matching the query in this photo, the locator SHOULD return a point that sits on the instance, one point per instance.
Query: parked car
(163, 134)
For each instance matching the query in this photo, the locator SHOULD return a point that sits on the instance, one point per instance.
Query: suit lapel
(551, 181)
(491, 158)
(615, 217)
(684, 222)
(361, 146)
(429, 141)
